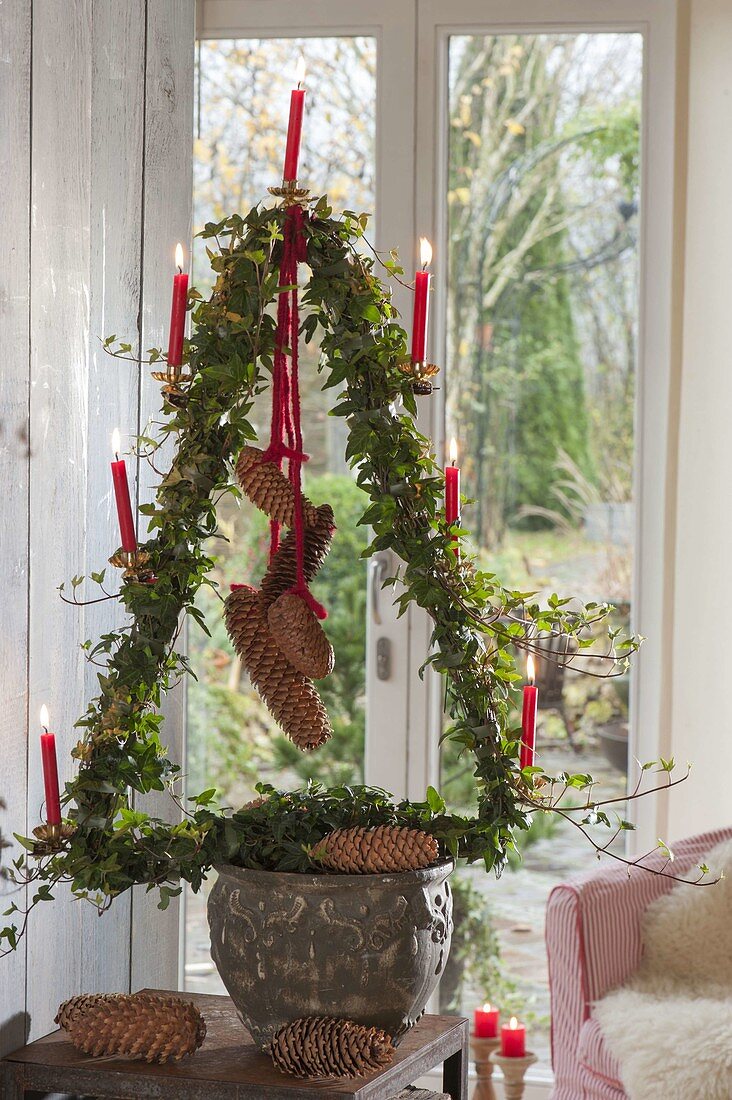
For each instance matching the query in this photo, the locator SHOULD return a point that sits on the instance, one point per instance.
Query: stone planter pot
(369, 948)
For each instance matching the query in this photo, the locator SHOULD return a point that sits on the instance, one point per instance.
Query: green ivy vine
(479, 627)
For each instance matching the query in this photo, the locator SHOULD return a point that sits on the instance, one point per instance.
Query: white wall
(701, 721)
(96, 107)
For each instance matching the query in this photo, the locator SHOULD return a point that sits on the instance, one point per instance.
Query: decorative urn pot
(369, 948)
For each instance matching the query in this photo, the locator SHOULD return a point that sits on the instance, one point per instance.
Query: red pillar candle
(485, 1022)
(294, 126)
(513, 1039)
(528, 717)
(122, 496)
(178, 311)
(50, 771)
(421, 303)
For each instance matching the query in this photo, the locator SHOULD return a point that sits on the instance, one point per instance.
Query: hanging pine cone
(143, 1025)
(320, 1046)
(298, 634)
(290, 697)
(382, 850)
(270, 489)
(282, 572)
(73, 1009)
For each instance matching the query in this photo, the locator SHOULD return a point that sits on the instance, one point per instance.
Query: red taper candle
(513, 1039)
(294, 126)
(485, 1022)
(452, 490)
(122, 496)
(420, 316)
(50, 771)
(528, 717)
(178, 310)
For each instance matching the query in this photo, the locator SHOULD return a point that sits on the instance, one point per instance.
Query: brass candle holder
(514, 1071)
(133, 564)
(175, 380)
(421, 374)
(290, 193)
(51, 838)
(481, 1051)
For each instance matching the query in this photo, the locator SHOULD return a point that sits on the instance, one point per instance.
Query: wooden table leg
(11, 1082)
(455, 1074)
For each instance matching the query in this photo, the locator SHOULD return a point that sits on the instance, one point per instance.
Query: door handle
(378, 568)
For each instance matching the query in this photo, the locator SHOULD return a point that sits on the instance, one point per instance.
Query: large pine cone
(282, 572)
(382, 850)
(270, 489)
(320, 1046)
(290, 697)
(299, 635)
(143, 1025)
(73, 1009)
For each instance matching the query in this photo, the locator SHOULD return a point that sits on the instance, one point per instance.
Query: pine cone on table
(282, 572)
(141, 1025)
(290, 697)
(299, 635)
(75, 1007)
(321, 1046)
(270, 489)
(381, 850)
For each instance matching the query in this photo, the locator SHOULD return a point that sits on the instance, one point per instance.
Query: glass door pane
(242, 106)
(542, 311)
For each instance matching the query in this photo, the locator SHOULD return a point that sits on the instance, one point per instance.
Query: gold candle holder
(290, 193)
(174, 379)
(481, 1050)
(514, 1071)
(133, 564)
(421, 374)
(51, 838)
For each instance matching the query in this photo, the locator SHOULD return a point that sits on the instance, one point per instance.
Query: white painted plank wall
(115, 288)
(60, 187)
(15, 44)
(168, 207)
(83, 240)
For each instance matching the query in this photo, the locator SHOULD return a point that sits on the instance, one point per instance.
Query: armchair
(593, 938)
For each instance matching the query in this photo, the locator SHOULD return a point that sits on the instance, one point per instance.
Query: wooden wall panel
(15, 48)
(60, 196)
(96, 113)
(168, 191)
(117, 131)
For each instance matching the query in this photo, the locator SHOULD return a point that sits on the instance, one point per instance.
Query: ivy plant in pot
(328, 901)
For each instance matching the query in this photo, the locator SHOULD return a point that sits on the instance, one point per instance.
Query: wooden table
(229, 1067)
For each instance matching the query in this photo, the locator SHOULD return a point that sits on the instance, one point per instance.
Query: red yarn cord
(286, 411)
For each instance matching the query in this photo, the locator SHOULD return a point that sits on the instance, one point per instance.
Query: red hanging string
(286, 412)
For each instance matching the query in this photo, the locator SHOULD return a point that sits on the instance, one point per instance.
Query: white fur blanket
(670, 1027)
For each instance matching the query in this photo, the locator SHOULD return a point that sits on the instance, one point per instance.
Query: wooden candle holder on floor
(481, 1051)
(514, 1071)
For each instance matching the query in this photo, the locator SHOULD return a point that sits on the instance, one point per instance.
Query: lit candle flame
(453, 451)
(530, 668)
(487, 1007)
(44, 716)
(425, 252)
(300, 72)
(180, 256)
(116, 441)
(513, 1023)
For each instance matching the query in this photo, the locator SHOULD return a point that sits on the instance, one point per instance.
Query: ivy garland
(479, 626)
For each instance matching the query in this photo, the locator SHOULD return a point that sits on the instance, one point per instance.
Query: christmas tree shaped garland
(245, 334)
